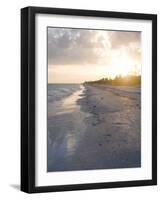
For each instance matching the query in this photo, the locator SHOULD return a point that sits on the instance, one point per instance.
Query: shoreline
(103, 132)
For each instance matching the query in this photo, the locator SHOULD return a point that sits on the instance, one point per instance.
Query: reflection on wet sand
(64, 138)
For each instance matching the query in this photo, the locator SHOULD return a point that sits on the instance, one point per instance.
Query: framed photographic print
(88, 99)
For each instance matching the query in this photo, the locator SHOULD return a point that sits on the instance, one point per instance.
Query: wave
(57, 92)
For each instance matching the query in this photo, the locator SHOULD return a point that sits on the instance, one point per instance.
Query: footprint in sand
(94, 124)
(120, 123)
(108, 135)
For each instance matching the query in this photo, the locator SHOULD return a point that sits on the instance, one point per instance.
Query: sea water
(57, 92)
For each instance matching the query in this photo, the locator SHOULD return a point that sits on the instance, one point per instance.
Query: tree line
(129, 80)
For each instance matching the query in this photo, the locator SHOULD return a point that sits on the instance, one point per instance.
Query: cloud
(82, 47)
(75, 46)
(129, 42)
(122, 38)
(134, 54)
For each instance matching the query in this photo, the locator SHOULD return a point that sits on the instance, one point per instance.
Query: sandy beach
(96, 127)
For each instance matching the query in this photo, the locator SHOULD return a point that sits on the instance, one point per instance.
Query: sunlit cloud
(82, 51)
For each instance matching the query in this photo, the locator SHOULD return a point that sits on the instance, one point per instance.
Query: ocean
(57, 92)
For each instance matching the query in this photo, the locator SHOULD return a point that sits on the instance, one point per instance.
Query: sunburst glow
(76, 55)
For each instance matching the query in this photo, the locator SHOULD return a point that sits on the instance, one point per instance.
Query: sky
(79, 55)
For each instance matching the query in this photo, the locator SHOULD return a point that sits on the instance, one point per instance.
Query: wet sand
(98, 127)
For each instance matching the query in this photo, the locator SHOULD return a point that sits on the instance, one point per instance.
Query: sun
(121, 65)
